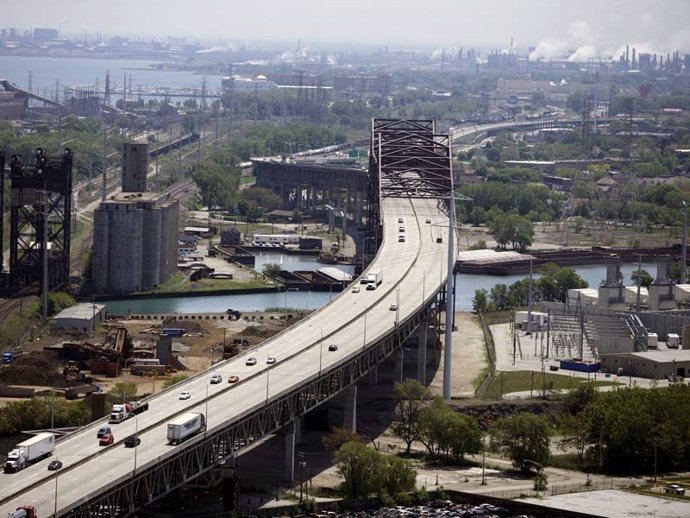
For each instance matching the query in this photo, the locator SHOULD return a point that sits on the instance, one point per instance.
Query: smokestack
(633, 58)
(627, 54)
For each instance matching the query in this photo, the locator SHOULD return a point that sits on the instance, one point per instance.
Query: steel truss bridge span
(115, 481)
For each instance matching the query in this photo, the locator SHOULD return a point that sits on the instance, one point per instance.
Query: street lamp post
(321, 352)
(684, 251)
(136, 438)
(56, 491)
(330, 290)
(268, 374)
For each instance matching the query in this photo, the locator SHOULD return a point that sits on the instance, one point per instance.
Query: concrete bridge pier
(422, 333)
(374, 376)
(359, 209)
(399, 363)
(290, 437)
(350, 409)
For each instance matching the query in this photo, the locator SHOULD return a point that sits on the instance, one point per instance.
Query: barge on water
(490, 262)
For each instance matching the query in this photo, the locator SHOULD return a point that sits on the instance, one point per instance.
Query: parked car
(132, 441)
(333, 347)
(106, 440)
(250, 361)
(102, 431)
(186, 394)
(233, 379)
(54, 465)
(271, 360)
(216, 378)
(674, 489)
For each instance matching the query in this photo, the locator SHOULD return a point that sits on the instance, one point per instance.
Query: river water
(466, 286)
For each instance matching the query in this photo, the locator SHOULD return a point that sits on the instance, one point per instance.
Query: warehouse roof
(83, 311)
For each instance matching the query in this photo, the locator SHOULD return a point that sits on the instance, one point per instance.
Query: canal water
(309, 300)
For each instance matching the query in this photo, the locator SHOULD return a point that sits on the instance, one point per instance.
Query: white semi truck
(32, 450)
(126, 410)
(374, 279)
(185, 426)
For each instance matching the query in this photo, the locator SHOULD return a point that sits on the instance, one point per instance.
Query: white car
(355, 289)
(250, 361)
(393, 307)
(216, 378)
(185, 394)
(271, 360)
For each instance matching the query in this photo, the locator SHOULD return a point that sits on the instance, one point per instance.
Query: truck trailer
(374, 279)
(32, 450)
(185, 426)
(123, 412)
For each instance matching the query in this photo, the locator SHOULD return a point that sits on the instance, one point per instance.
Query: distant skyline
(585, 28)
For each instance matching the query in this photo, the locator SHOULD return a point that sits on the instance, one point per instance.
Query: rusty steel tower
(40, 217)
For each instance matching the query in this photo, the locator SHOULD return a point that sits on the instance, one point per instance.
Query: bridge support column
(421, 352)
(350, 410)
(298, 431)
(399, 361)
(374, 376)
(290, 452)
(358, 209)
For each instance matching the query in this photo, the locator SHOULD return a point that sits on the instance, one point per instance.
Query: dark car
(102, 431)
(54, 465)
(132, 441)
(332, 347)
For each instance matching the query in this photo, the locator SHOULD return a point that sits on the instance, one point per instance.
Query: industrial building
(83, 317)
(135, 232)
(659, 364)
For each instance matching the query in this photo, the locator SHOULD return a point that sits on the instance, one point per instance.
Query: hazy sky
(593, 26)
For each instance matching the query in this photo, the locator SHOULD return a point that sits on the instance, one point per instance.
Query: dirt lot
(202, 342)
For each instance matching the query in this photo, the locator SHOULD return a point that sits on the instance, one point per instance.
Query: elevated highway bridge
(410, 183)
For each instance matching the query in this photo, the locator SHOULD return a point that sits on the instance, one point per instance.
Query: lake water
(466, 286)
(81, 71)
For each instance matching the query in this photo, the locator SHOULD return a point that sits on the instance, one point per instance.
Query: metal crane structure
(40, 219)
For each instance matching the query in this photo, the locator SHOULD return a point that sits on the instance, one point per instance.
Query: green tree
(41, 413)
(448, 434)
(361, 468)
(555, 282)
(410, 398)
(645, 278)
(522, 437)
(338, 436)
(480, 302)
(365, 471)
(123, 391)
(271, 269)
(399, 475)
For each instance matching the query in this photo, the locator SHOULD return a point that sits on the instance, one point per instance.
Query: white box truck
(32, 450)
(374, 279)
(185, 426)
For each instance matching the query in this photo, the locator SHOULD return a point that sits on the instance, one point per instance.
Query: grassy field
(180, 283)
(521, 381)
